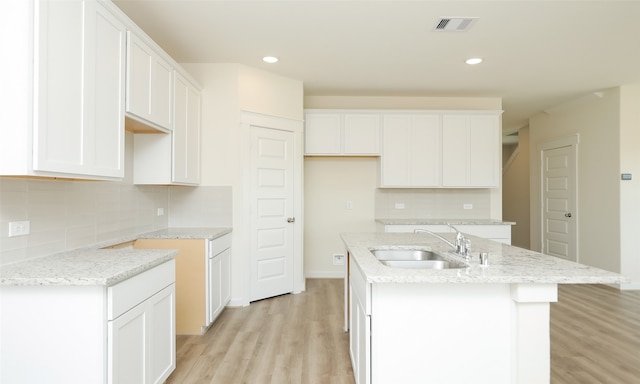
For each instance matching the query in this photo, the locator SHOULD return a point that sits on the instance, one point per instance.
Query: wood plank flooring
(595, 338)
(287, 339)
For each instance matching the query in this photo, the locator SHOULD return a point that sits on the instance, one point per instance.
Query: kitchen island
(476, 324)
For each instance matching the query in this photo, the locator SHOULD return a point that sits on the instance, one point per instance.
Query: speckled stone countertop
(98, 266)
(92, 266)
(186, 233)
(443, 222)
(507, 264)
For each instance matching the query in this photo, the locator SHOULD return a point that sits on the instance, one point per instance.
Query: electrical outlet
(349, 204)
(467, 206)
(160, 212)
(19, 228)
(399, 205)
(338, 259)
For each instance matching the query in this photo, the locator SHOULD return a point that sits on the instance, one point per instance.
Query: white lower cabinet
(218, 279)
(123, 333)
(359, 328)
(203, 279)
(142, 342)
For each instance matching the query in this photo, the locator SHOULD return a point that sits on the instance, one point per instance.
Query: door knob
(291, 220)
(568, 214)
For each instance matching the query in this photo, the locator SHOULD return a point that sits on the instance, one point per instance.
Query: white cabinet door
(361, 134)
(149, 84)
(322, 133)
(172, 158)
(215, 286)
(162, 335)
(79, 128)
(128, 347)
(470, 145)
(360, 326)
(186, 132)
(225, 278)
(484, 151)
(142, 341)
(411, 150)
(333, 133)
(396, 155)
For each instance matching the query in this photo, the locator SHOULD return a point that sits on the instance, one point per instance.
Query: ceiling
(537, 54)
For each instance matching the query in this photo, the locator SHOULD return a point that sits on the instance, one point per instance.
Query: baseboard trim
(630, 287)
(324, 275)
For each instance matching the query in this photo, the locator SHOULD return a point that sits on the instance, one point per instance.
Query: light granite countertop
(443, 222)
(84, 267)
(507, 264)
(97, 265)
(186, 233)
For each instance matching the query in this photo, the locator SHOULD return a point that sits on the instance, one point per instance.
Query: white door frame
(242, 248)
(567, 141)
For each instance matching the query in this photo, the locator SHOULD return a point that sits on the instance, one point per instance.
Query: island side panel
(532, 339)
(436, 333)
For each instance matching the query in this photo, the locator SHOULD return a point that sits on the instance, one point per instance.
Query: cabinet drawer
(131, 292)
(220, 244)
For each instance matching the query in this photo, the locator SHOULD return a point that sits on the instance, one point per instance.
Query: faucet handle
(465, 247)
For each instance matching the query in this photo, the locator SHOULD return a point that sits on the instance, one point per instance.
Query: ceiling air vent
(454, 24)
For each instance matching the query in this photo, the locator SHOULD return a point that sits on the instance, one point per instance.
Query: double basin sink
(414, 259)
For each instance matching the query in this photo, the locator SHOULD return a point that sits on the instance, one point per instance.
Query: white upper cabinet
(411, 150)
(471, 156)
(149, 84)
(173, 158)
(323, 133)
(63, 105)
(186, 132)
(333, 133)
(440, 149)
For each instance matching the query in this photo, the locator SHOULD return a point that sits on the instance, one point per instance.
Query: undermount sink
(414, 259)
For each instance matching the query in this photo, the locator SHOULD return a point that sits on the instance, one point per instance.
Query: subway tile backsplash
(433, 203)
(66, 215)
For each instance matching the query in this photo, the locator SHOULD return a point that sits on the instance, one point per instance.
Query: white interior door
(559, 202)
(272, 206)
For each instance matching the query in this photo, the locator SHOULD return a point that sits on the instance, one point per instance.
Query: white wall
(328, 186)
(630, 190)
(598, 206)
(516, 192)
(229, 89)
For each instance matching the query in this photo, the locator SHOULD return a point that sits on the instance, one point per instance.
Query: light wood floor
(595, 338)
(295, 339)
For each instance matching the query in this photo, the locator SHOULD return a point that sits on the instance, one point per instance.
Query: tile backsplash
(66, 215)
(433, 203)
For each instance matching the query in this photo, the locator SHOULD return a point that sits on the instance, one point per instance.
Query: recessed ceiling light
(270, 59)
(473, 61)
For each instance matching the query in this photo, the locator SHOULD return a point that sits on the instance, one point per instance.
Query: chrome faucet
(462, 246)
